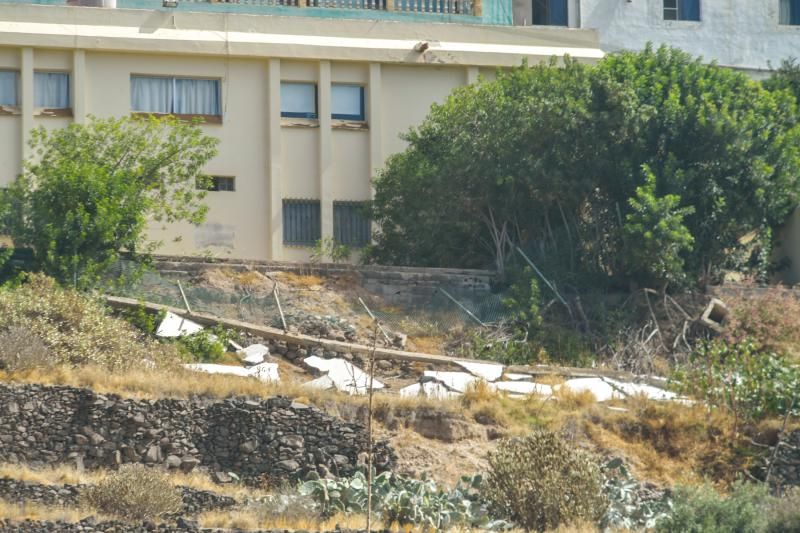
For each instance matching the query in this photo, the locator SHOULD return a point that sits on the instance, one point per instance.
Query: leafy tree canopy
(648, 168)
(89, 191)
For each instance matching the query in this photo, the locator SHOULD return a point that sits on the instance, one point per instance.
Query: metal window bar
(350, 226)
(301, 222)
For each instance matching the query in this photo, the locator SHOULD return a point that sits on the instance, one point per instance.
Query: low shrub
(541, 481)
(703, 510)
(784, 513)
(750, 383)
(770, 320)
(405, 501)
(204, 346)
(135, 492)
(19, 350)
(75, 328)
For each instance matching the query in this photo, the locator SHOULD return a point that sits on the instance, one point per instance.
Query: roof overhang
(238, 35)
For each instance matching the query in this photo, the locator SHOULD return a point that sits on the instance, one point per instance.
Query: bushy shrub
(770, 320)
(75, 328)
(134, 492)
(784, 513)
(704, 510)
(540, 481)
(204, 346)
(19, 350)
(750, 383)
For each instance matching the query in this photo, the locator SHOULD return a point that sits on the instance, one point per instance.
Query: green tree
(547, 157)
(89, 191)
(785, 77)
(655, 233)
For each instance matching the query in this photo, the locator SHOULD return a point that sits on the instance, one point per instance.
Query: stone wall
(786, 471)
(274, 438)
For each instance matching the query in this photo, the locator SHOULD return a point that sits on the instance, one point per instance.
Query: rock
(188, 464)
(173, 461)
(221, 477)
(289, 465)
(292, 441)
(153, 454)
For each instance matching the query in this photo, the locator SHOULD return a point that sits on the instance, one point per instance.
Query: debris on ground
(266, 372)
(253, 354)
(176, 326)
(345, 376)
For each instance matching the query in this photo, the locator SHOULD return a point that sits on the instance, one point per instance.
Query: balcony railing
(444, 7)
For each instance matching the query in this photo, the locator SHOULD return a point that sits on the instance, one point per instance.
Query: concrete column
(472, 75)
(79, 86)
(325, 148)
(375, 124)
(275, 200)
(26, 99)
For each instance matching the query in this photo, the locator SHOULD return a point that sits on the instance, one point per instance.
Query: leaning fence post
(385, 336)
(185, 300)
(476, 319)
(280, 309)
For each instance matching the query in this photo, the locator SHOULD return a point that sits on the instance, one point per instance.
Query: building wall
(271, 158)
(737, 33)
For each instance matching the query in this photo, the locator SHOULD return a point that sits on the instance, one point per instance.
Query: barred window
(217, 184)
(351, 225)
(301, 222)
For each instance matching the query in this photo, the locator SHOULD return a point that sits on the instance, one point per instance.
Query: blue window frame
(347, 102)
(9, 87)
(550, 13)
(789, 12)
(298, 99)
(682, 10)
(351, 225)
(301, 222)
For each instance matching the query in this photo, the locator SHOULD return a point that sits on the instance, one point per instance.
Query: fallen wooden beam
(268, 332)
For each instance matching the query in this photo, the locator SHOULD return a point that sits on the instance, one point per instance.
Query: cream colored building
(306, 108)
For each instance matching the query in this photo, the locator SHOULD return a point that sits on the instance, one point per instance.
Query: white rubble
(264, 372)
(486, 371)
(346, 376)
(639, 389)
(601, 390)
(235, 346)
(457, 381)
(322, 383)
(523, 387)
(518, 377)
(176, 326)
(429, 389)
(253, 354)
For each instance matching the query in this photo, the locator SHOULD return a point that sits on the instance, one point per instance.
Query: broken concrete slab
(430, 389)
(641, 389)
(253, 354)
(456, 381)
(346, 376)
(176, 326)
(321, 383)
(601, 390)
(523, 387)
(485, 371)
(714, 315)
(518, 377)
(265, 372)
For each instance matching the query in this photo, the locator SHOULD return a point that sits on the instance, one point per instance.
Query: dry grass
(301, 281)
(427, 344)
(252, 519)
(68, 475)
(27, 511)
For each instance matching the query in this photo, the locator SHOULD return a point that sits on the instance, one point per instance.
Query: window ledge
(292, 122)
(354, 125)
(54, 112)
(298, 245)
(681, 23)
(10, 110)
(206, 119)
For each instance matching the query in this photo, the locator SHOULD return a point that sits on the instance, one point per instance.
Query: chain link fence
(330, 312)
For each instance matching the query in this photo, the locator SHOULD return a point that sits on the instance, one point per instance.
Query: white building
(743, 34)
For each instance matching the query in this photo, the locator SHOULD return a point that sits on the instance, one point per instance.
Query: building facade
(743, 34)
(307, 108)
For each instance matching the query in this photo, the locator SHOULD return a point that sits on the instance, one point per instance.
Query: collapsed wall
(274, 438)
